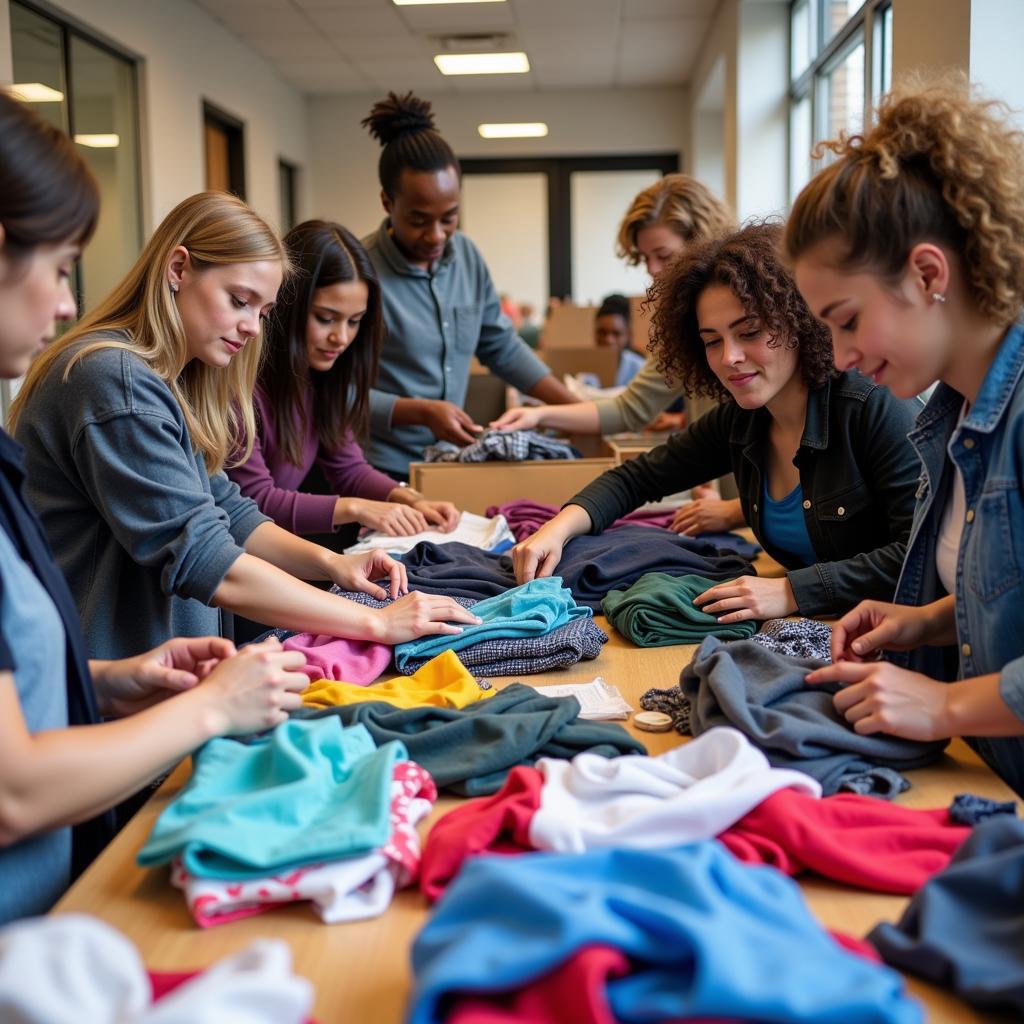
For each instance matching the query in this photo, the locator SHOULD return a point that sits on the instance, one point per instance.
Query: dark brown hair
(48, 194)
(939, 166)
(748, 263)
(322, 254)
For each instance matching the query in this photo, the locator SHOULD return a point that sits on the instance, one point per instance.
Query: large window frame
(870, 26)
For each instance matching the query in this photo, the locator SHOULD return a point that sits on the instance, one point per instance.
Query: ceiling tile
(593, 70)
(471, 85)
(570, 45)
(459, 18)
(541, 13)
(633, 10)
(659, 52)
(335, 5)
(264, 21)
(400, 73)
(360, 21)
(393, 45)
(323, 76)
(292, 48)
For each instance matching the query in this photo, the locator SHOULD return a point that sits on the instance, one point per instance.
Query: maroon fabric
(527, 517)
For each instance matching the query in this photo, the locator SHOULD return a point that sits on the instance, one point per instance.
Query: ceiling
(368, 46)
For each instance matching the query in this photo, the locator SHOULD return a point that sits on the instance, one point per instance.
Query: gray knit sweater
(143, 534)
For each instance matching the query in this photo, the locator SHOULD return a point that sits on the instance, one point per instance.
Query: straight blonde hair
(217, 229)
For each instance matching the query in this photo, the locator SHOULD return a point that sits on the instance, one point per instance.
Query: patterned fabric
(798, 638)
(578, 640)
(502, 446)
(670, 702)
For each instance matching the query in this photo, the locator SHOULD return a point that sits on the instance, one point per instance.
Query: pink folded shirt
(330, 657)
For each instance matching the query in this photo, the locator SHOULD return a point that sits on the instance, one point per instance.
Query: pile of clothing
(489, 533)
(502, 446)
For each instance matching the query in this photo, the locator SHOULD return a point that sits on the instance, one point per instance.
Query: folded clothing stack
(763, 694)
(490, 533)
(305, 795)
(472, 750)
(658, 611)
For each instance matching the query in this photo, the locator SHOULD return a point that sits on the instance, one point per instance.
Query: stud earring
(174, 289)
(938, 297)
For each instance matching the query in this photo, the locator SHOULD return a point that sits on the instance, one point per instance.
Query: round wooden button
(652, 721)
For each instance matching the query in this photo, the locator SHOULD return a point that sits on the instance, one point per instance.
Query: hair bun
(395, 116)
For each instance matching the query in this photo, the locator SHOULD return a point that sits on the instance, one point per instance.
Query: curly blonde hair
(679, 202)
(940, 165)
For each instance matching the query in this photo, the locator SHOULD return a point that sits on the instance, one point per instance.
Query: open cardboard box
(474, 486)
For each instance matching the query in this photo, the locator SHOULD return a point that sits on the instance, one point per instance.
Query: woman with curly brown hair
(825, 475)
(911, 248)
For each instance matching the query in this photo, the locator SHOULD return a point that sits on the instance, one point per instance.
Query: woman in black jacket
(825, 473)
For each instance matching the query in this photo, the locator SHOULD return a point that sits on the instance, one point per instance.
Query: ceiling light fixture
(108, 140)
(35, 92)
(439, 3)
(517, 130)
(482, 63)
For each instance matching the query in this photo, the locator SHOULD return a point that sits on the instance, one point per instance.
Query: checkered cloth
(799, 638)
(502, 446)
(670, 702)
(578, 640)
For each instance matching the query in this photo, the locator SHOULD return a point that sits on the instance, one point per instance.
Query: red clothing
(858, 840)
(271, 480)
(493, 824)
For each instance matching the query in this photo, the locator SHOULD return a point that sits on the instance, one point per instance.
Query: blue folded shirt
(534, 609)
(307, 791)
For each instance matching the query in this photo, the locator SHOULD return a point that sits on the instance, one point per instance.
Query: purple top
(270, 479)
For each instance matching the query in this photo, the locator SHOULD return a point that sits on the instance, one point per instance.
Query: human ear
(929, 270)
(385, 201)
(178, 263)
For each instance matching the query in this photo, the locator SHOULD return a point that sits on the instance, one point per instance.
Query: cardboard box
(568, 327)
(475, 486)
(601, 361)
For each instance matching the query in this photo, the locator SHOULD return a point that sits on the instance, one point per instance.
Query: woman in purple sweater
(322, 346)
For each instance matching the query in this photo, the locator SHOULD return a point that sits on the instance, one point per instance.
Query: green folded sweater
(658, 611)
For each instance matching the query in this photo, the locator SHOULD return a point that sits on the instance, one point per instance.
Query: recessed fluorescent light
(482, 63)
(523, 130)
(100, 141)
(35, 92)
(438, 3)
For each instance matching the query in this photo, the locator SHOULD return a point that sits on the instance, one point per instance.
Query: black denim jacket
(858, 473)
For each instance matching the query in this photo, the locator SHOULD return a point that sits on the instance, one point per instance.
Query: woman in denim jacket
(911, 248)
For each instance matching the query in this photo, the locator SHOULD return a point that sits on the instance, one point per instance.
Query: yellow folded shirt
(444, 682)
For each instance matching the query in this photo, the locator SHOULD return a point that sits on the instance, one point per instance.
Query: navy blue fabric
(458, 570)
(964, 928)
(968, 809)
(22, 526)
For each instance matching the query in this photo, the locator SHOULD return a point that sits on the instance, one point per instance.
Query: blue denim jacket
(988, 448)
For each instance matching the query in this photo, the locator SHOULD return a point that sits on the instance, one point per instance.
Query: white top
(691, 793)
(951, 528)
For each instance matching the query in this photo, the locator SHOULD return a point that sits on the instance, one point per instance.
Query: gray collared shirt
(437, 320)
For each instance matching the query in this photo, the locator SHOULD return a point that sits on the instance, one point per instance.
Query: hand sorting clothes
(502, 446)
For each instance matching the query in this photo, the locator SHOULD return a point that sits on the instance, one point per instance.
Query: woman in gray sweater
(127, 421)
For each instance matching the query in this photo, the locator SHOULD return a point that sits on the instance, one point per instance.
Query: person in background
(130, 719)
(440, 305)
(910, 247)
(127, 421)
(312, 400)
(825, 473)
(665, 219)
(611, 330)
(528, 330)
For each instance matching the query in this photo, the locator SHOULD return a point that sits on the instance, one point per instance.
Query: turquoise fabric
(307, 791)
(534, 609)
(658, 611)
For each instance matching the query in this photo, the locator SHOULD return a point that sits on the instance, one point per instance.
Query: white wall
(186, 57)
(343, 158)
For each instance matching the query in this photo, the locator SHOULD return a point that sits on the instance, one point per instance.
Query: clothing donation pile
(489, 533)
(502, 446)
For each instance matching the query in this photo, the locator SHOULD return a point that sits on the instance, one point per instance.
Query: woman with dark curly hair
(824, 471)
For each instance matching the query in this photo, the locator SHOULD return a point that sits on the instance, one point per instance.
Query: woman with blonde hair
(910, 247)
(662, 222)
(127, 421)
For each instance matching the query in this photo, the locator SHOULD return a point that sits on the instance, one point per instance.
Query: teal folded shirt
(308, 791)
(534, 609)
(658, 611)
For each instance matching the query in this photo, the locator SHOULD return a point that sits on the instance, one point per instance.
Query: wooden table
(361, 971)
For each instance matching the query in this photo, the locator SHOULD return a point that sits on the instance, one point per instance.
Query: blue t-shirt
(37, 870)
(784, 527)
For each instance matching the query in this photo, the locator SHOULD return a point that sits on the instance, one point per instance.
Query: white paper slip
(599, 701)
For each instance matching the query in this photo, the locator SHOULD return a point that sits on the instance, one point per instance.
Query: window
(224, 138)
(840, 66)
(88, 91)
